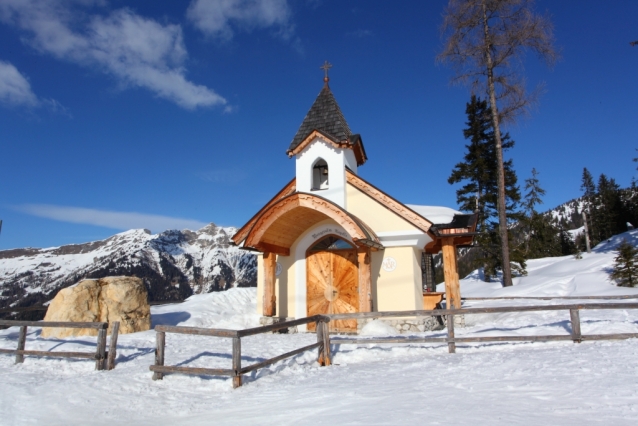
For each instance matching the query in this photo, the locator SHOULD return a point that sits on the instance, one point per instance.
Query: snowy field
(483, 384)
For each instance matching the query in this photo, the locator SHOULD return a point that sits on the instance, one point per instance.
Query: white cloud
(220, 18)
(110, 219)
(14, 87)
(137, 51)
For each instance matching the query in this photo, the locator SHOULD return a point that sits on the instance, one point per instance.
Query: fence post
(575, 318)
(100, 352)
(159, 353)
(110, 364)
(451, 345)
(236, 362)
(320, 350)
(325, 333)
(22, 340)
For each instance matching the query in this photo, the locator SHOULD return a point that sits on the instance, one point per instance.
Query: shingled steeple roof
(324, 116)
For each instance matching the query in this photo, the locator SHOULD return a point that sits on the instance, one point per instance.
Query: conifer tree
(631, 203)
(542, 238)
(589, 194)
(486, 40)
(611, 216)
(567, 244)
(625, 271)
(479, 193)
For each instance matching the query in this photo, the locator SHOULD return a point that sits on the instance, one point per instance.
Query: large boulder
(109, 299)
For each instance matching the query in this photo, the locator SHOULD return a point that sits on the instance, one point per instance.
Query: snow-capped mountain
(173, 265)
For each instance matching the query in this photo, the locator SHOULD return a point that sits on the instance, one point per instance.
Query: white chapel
(331, 242)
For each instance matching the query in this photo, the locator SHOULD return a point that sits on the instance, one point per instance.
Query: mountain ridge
(173, 265)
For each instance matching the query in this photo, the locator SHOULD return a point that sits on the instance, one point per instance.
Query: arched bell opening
(320, 175)
(332, 281)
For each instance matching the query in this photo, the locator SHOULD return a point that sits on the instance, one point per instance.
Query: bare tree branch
(487, 41)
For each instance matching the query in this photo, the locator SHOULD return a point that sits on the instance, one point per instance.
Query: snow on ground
(491, 383)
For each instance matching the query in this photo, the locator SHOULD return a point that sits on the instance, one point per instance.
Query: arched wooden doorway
(332, 281)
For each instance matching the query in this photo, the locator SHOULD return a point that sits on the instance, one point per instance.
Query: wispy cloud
(14, 87)
(137, 51)
(222, 18)
(15, 91)
(109, 219)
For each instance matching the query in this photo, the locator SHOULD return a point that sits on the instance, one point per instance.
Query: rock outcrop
(108, 299)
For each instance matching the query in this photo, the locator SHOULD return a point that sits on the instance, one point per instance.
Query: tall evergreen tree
(589, 194)
(631, 203)
(625, 271)
(611, 215)
(486, 39)
(542, 238)
(479, 193)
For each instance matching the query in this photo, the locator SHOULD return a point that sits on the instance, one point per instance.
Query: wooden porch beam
(273, 248)
(365, 285)
(451, 274)
(270, 300)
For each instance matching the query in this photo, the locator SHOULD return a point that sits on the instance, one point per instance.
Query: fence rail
(103, 358)
(159, 369)
(574, 311)
(621, 297)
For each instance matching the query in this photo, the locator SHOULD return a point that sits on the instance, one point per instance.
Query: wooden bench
(432, 300)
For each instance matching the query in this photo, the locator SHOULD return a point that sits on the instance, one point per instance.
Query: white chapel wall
(351, 160)
(336, 160)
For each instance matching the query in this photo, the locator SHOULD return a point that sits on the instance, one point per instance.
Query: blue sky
(162, 114)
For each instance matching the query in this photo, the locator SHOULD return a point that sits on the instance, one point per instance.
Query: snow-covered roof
(435, 214)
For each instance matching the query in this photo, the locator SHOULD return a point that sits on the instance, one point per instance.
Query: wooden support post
(451, 345)
(100, 352)
(270, 300)
(365, 285)
(236, 362)
(451, 273)
(319, 331)
(327, 355)
(575, 318)
(110, 363)
(22, 341)
(159, 353)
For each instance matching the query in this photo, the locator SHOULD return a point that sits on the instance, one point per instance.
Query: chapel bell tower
(324, 147)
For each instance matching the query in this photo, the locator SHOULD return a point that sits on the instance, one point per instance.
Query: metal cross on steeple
(325, 67)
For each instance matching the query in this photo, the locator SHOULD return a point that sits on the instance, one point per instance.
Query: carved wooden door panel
(332, 286)
(318, 281)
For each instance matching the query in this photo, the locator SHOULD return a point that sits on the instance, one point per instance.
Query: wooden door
(332, 286)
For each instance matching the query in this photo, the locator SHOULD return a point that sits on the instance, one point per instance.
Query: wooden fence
(574, 311)
(620, 297)
(103, 358)
(159, 369)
